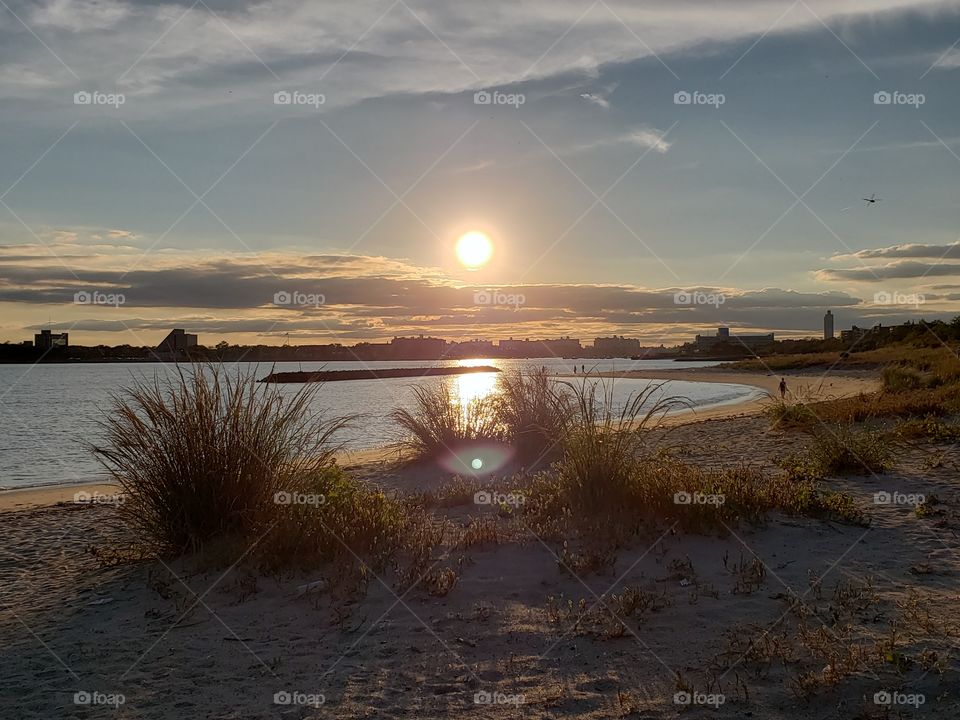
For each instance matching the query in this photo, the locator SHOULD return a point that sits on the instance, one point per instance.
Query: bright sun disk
(474, 249)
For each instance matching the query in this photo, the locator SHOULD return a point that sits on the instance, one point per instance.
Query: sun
(474, 249)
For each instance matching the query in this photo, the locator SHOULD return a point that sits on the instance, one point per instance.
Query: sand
(180, 639)
(23, 498)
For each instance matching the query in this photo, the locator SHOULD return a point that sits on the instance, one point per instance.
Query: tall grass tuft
(602, 447)
(202, 456)
(533, 411)
(439, 422)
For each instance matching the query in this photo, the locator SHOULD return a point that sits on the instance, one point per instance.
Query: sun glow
(474, 249)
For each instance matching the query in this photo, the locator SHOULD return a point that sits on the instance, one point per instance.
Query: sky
(258, 172)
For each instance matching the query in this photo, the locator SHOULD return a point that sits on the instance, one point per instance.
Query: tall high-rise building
(828, 326)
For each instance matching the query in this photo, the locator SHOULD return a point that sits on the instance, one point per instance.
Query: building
(472, 349)
(878, 331)
(417, 348)
(561, 347)
(828, 326)
(178, 341)
(616, 346)
(45, 340)
(723, 336)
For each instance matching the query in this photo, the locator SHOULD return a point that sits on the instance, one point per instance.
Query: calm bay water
(48, 412)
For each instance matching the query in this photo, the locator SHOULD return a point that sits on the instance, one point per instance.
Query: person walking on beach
(574, 369)
(783, 388)
(583, 368)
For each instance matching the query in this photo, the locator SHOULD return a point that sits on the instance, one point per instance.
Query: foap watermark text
(496, 298)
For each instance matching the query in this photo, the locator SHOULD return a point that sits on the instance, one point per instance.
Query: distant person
(583, 368)
(574, 369)
(783, 388)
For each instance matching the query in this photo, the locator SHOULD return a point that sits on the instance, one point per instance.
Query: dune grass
(439, 423)
(614, 478)
(209, 460)
(601, 445)
(530, 411)
(533, 411)
(915, 383)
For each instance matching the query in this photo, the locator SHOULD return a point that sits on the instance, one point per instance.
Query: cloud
(906, 250)
(600, 97)
(356, 51)
(643, 137)
(368, 297)
(901, 269)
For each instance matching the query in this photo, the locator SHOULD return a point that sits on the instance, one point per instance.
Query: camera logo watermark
(898, 498)
(698, 498)
(698, 698)
(899, 298)
(85, 697)
(285, 697)
(95, 498)
(492, 497)
(895, 97)
(497, 698)
(889, 698)
(499, 299)
(84, 97)
(298, 299)
(695, 297)
(295, 97)
(495, 97)
(695, 97)
(295, 498)
(95, 297)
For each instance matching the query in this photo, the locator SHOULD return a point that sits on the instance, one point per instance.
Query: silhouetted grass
(601, 446)
(439, 422)
(202, 456)
(533, 411)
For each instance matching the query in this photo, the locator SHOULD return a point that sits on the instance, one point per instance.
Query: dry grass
(533, 410)
(440, 423)
(204, 455)
(840, 449)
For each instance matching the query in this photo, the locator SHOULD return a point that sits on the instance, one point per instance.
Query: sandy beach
(790, 618)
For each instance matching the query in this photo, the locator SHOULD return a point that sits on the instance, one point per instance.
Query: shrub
(439, 423)
(348, 519)
(203, 455)
(898, 379)
(533, 411)
(697, 499)
(784, 414)
(840, 449)
(928, 427)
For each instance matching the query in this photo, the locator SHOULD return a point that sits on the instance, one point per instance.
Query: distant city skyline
(186, 166)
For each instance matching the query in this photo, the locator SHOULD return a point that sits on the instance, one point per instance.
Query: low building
(417, 348)
(561, 347)
(616, 346)
(878, 330)
(723, 336)
(178, 341)
(472, 348)
(45, 340)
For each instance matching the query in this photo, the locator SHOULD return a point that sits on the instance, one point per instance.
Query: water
(49, 412)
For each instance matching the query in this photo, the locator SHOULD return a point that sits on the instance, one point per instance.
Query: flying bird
(872, 199)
